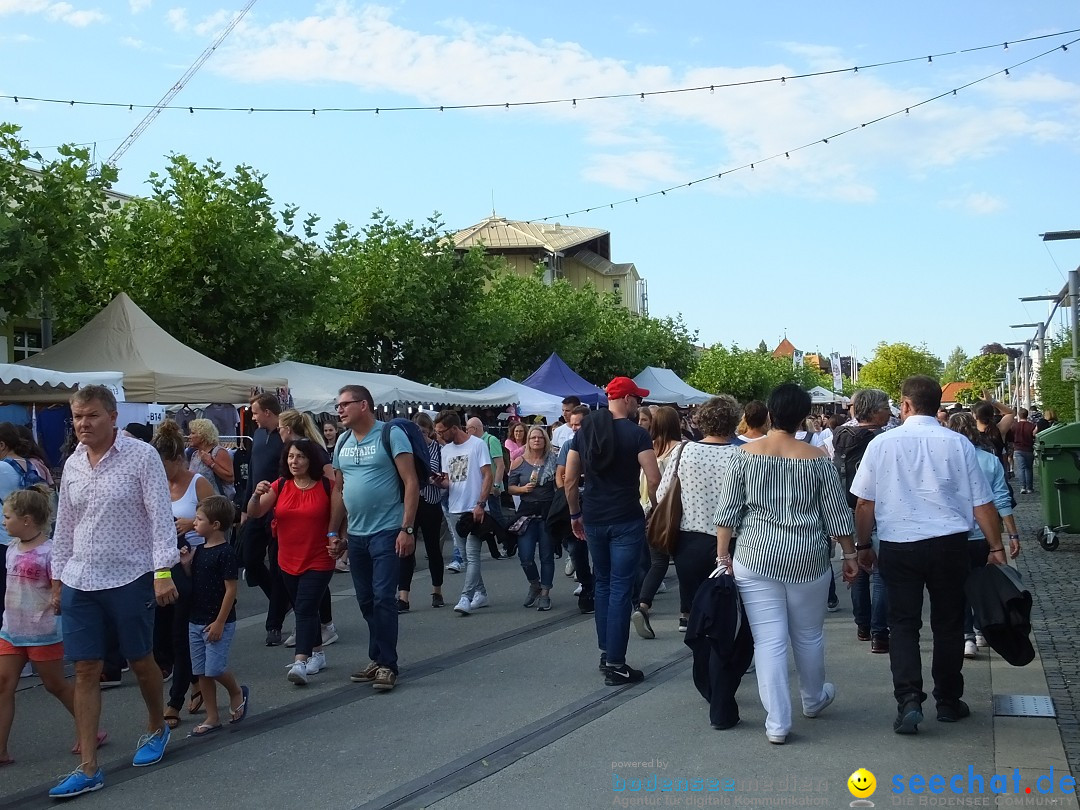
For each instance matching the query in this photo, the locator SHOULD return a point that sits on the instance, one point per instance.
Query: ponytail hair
(169, 441)
(35, 502)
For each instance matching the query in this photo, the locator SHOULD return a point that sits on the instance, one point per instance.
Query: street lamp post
(1074, 317)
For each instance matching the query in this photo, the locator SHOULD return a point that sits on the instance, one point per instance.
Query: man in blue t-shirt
(612, 450)
(379, 493)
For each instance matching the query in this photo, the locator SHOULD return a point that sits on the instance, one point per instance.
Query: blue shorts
(93, 621)
(210, 658)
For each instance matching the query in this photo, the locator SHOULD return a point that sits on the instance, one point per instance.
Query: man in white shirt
(466, 472)
(564, 433)
(922, 485)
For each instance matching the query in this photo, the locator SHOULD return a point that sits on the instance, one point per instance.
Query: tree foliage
(985, 371)
(893, 362)
(954, 366)
(51, 220)
(1055, 393)
(750, 374)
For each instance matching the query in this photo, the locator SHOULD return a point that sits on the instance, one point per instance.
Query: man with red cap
(612, 450)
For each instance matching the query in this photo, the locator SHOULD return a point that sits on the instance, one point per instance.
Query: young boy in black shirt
(213, 570)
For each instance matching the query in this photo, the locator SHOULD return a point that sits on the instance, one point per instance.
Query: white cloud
(980, 203)
(138, 5)
(177, 19)
(213, 23)
(54, 12)
(468, 63)
(132, 42)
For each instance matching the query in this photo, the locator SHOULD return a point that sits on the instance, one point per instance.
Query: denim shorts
(91, 618)
(210, 658)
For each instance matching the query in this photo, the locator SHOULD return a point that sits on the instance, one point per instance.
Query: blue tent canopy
(555, 377)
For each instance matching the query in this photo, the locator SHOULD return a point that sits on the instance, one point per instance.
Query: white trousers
(779, 612)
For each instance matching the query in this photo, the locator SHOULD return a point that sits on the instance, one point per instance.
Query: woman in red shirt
(301, 503)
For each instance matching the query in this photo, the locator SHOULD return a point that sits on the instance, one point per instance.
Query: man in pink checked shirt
(113, 550)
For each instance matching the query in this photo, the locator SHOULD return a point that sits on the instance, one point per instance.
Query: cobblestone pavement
(1053, 577)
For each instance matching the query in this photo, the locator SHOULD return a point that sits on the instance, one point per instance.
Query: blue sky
(921, 228)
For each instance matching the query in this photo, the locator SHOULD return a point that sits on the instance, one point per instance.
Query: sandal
(102, 736)
(203, 729)
(172, 720)
(240, 712)
(6, 761)
(195, 704)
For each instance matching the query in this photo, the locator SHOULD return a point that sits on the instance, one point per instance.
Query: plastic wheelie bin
(1058, 453)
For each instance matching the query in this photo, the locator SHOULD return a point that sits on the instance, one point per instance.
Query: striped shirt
(431, 493)
(784, 510)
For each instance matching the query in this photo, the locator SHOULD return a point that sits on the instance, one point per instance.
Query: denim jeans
(459, 541)
(536, 535)
(306, 591)
(1023, 461)
(472, 546)
(869, 603)
(374, 564)
(940, 565)
(616, 553)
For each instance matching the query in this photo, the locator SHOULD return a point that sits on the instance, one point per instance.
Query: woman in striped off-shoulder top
(784, 500)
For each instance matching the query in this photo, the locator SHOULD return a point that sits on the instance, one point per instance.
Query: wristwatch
(407, 529)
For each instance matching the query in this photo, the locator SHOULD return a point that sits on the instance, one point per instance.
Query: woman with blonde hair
(210, 459)
(532, 476)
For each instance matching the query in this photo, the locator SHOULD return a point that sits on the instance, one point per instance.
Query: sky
(922, 227)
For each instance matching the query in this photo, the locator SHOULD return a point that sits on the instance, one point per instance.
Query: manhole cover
(1024, 706)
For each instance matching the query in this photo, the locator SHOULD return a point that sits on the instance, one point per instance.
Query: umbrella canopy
(156, 366)
(529, 402)
(26, 384)
(665, 388)
(315, 388)
(555, 377)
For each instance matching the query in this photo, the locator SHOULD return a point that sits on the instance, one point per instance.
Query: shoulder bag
(663, 526)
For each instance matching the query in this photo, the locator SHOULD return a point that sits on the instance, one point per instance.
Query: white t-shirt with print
(464, 464)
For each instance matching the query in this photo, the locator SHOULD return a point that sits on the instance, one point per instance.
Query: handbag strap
(678, 461)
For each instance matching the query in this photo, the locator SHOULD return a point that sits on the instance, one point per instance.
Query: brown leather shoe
(862, 633)
(366, 675)
(879, 644)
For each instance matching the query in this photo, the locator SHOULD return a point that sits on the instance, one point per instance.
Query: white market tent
(529, 400)
(315, 388)
(823, 396)
(26, 384)
(156, 366)
(666, 388)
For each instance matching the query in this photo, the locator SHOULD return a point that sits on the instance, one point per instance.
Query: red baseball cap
(623, 387)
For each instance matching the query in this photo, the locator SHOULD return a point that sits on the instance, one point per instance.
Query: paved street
(506, 708)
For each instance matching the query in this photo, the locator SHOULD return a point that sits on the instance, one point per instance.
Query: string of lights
(817, 142)
(573, 101)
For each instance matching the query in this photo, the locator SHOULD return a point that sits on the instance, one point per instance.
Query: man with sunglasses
(612, 450)
(378, 492)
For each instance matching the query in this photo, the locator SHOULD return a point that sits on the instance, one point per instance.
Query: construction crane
(176, 88)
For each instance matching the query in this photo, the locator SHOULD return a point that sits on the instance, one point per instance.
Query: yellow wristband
(163, 575)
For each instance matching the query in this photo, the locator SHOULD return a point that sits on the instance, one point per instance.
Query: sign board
(1068, 369)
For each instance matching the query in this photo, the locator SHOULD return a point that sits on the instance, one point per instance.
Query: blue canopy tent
(665, 388)
(555, 377)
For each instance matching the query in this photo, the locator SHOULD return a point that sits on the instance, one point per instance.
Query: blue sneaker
(77, 783)
(151, 747)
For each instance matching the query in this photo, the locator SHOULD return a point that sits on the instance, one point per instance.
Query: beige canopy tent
(156, 366)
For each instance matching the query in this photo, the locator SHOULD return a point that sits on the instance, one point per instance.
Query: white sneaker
(342, 565)
(662, 588)
(980, 640)
(464, 606)
(828, 696)
(479, 600)
(454, 566)
(27, 671)
(569, 567)
(291, 640)
(970, 650)
(329, 634)
(577, 590)
(316, 663)
(298, 673)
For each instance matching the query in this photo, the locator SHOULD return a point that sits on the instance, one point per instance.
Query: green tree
(984, 371)
(748, 375)
(954, 366)
(208, 258)
(893, 362)
(1055, 393)
(51, 220)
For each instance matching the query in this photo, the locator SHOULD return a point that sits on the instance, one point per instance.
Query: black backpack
(849, 446)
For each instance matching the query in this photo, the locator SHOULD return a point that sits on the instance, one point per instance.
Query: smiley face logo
(862, 784)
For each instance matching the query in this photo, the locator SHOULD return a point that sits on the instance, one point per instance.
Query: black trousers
(940, 565)
(658, 566)
(579, 553)
(306, 592)
(171, 646)
(260, 562)
(695, 559)
(429, 522)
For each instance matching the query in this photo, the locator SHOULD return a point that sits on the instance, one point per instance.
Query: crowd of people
(147, 552)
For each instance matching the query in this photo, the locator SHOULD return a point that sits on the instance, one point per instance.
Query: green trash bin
(1058, 452)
